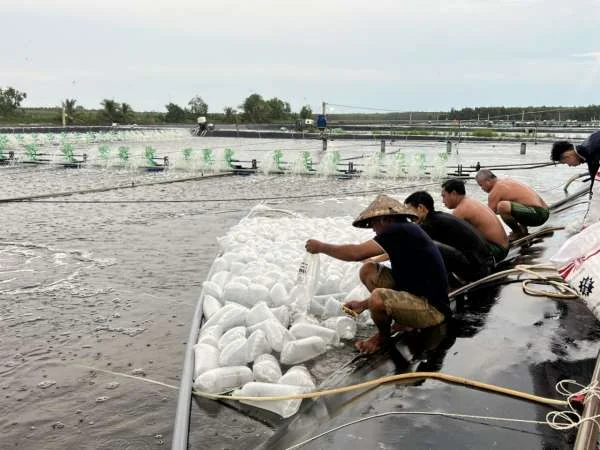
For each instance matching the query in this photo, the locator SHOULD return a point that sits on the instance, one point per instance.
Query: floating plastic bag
(257, 344)
(284, 408)
(230, 315)
(234, 354)
(231, 335)
(221, 278)
(301, 350)
(304, 330)
(344, 326)
(210, 335)
(236, 292)
(282, 314)
(258, 313)
(276, 333)
(223, 379)
(298, 376)
(333, 308)
(258, 293)
(210, 306)
(212, 288)
(206, 357)
(306, 283)
(579, 261)
(266, 368)
(279, 295)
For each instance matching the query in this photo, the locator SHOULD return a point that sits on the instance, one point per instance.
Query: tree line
(256, 109)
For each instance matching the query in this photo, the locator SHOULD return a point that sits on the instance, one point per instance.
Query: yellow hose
(388, 379)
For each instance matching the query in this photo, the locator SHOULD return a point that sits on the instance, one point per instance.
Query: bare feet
(370, 345)
(357, 306)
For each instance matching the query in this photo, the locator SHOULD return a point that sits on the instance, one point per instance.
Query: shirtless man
(478, 215)
(518, 204)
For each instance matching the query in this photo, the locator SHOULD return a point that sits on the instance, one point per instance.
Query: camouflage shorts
(405, 308)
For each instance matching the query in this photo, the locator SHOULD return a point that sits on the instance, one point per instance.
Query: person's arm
(345, 252)
(379, 258)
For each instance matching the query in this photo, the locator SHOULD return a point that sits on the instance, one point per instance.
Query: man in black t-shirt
(414, 292)
(463, 248)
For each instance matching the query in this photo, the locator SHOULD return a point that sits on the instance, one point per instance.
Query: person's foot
(370, 345)
(357, 306)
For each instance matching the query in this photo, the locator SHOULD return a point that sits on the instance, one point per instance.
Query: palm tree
(110, 110)
(126, 112)
(68, 106)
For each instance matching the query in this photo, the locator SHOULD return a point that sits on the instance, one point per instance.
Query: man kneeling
(414, 292)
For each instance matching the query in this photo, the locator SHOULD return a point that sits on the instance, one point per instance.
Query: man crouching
(414, 292)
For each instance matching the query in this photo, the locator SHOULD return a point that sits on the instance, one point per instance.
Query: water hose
(415, 376)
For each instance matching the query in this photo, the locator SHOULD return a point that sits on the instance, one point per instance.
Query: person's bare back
(513, 191)
(482, 218)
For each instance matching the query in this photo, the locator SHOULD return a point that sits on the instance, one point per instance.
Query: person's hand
(313, 246)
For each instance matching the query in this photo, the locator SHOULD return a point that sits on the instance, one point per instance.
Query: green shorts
(405, 308)
(530, 216)
(497, 251)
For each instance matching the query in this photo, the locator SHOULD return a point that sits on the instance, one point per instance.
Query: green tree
(198, 107)
(278, 109)
(126, 112)
(256, 110)
(229, 114)
(175, 114)
(10, 100)
(306, 112)
(110, 110)
(69, 110)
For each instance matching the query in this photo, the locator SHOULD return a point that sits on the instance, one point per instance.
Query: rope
(557, 420)
(394, 413)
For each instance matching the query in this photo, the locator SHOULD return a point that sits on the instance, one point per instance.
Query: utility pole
(323, 135)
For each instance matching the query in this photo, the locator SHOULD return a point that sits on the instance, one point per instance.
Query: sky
(396, 55)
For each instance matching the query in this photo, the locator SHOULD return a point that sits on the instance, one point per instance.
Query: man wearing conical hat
(414, 292)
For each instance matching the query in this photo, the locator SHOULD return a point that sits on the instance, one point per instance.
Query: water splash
(68, 152)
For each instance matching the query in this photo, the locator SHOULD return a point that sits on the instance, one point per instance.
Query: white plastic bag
(210, 306)
(344, 326)
(298, 376)
(223, 379)
(301, 350)
(304, 330)
(258, 313)
(276, 333)
(206, 357)
(257, 344)
(266, 368)
(234, 354)
(231, 335)
(306, 283)
(285, 408)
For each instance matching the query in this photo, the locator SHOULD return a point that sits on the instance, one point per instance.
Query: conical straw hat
(382, 206)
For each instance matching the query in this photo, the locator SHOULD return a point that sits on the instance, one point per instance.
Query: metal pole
(587, 436)
(182, 416)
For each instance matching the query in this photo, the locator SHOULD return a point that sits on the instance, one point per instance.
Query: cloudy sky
(397, 55)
